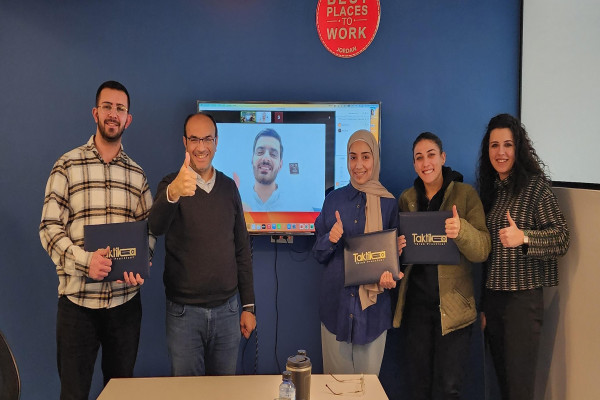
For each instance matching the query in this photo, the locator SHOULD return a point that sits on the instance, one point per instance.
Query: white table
(246, 387)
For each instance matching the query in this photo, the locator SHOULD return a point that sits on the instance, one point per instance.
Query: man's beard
(265, 179)
(106, 136)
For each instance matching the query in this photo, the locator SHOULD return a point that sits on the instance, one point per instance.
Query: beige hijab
(374, 190)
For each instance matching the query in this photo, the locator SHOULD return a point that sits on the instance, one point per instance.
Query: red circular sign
(347, 27)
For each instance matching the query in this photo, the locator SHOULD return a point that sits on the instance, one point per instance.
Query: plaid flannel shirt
(84, 190)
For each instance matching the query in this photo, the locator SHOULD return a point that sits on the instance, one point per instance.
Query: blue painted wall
(443, 66)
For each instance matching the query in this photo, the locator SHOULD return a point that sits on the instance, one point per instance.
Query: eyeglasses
(208, 140)
(356, 381)
(108, 108)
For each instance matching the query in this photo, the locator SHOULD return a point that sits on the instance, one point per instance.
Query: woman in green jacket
(436, 302)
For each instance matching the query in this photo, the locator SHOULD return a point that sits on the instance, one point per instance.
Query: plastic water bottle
(287, 390)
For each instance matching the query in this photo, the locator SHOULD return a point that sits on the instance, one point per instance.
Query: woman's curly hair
(527, 163)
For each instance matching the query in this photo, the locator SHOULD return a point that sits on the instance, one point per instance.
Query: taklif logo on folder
(426, 240)
(118, 253)
(369, 256)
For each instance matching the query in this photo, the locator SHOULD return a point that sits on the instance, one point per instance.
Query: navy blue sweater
(208, 256)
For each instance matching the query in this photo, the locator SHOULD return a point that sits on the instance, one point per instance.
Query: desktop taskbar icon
(281, 226)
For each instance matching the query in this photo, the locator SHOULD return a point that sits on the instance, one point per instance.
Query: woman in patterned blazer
(528, 233)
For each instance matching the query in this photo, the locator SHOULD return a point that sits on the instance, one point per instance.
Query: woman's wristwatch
(526, 238)
(525, 247)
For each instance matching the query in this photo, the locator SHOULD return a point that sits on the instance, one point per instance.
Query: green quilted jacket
(457, 302)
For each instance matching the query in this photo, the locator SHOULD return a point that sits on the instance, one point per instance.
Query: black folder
(368, 256)
(426, 240)
(128, 243)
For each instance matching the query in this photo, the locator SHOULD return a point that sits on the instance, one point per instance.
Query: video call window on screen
(285, 157)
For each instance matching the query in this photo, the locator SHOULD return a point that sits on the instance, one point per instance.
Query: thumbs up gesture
(453, 224)
(511, 236)
(337, 230)
(185, 182)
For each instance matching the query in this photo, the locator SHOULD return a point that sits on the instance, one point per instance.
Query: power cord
(276, 309)
(254, 332)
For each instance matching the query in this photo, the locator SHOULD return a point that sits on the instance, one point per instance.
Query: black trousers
(81, 331)
(436, 362)
(513, 326)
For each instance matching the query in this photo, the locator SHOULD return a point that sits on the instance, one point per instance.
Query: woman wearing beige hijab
(354, 319)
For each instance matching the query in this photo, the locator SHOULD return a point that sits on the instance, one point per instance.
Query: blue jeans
(203, 341)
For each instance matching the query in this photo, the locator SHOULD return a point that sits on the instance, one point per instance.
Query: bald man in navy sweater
(208, 259)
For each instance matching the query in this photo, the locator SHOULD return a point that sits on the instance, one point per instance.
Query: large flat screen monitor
(285, 157)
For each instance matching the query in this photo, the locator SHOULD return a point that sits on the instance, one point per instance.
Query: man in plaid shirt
(96, 183)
